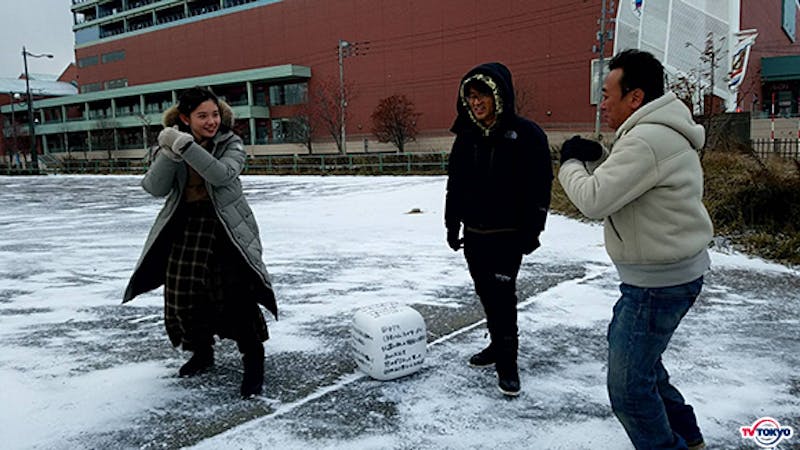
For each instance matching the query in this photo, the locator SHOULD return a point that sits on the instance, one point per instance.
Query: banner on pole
(741, 56)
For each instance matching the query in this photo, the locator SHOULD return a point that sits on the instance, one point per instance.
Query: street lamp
(25, 54)
(342, 101)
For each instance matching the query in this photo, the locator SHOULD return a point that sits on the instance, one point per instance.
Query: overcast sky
(42, 26)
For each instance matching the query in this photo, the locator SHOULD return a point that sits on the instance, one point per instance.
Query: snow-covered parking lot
(79, 370)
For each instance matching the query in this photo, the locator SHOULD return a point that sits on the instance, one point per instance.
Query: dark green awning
(779, 68)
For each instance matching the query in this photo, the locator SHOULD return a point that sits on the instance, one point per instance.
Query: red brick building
(779, 50)
(274, 59)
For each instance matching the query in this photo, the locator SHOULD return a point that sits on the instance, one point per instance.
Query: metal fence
(355, 164)
(784, 148)
(333, 164)
(376, 163)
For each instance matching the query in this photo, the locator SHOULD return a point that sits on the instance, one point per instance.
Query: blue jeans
(653, 412)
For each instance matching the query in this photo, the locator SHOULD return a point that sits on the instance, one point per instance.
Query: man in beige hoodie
(649, 190)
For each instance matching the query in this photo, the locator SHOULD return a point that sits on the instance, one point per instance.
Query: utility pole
(602, 37)
(342, 101)
(344, 50)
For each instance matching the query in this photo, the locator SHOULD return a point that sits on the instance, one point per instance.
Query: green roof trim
(780, 68)
(273, 73)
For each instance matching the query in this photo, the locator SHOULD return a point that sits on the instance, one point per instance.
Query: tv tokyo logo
(767, 432)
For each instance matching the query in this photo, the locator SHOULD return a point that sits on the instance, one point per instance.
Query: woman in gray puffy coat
(204, 246)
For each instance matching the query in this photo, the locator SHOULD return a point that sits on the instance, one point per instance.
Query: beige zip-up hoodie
(649, 190)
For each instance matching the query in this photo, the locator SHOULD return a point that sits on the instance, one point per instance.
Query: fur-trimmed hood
(170, 116)
(498, 78)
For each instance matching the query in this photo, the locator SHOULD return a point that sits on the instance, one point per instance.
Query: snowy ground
(78, 370)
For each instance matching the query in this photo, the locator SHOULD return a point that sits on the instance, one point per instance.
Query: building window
(131, 138)
(139, 22)
(91, 87)
(77, 142)
(288, 94)
(286, 131)
(110, 8)
(103, 139)
(232, 3)
(75, 111)
(113, 56)
(278, 131)
(232, 94)
(788, 18)
(114, 84)
(100, 110)
(127, 106)
(260, 94)
(55, 143)
(242, 128)
(139, 3)
(169, 14)
(112, 29)
(157, 103)
(262, 131)
(198, 7)
(53, 115)
(88, 61)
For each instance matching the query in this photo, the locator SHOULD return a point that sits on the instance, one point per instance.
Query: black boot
(508, 378)
(202, 359)
(484, 358)
(506, 366)
(253, 378)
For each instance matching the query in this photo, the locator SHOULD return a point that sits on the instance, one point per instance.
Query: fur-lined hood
(170, 117)
(498, 78)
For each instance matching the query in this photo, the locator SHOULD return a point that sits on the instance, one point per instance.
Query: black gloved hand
(581, 149)
(529, 242)
(453, 240)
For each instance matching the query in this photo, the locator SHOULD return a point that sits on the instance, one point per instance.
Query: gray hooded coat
(220, 168)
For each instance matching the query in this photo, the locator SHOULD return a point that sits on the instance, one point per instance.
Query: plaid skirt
(209, 287)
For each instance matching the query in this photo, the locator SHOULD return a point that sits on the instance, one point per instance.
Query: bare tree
(103, 136)
(301, 129)
(12, 145)
(685, 88)
(523, 97)
(63, 129)
(150, 138)
(325, 111)
(395, 120)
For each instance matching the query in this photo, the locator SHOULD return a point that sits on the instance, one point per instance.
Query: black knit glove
(528, 242)
(453, 240)
(581, 149)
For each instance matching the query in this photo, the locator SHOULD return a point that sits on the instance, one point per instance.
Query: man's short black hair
(479, 86)
(640, 70)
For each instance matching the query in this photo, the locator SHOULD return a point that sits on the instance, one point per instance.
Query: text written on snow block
(389, 340)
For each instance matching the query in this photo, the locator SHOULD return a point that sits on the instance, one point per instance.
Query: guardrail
(334, 164)
(361, 164)
(355, 164)
(784, 148)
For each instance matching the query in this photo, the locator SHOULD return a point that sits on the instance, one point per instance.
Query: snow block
(389, 340)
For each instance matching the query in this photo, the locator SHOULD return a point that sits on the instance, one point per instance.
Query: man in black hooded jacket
(498, 187)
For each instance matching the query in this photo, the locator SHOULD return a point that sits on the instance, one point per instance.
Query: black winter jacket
(498, 178)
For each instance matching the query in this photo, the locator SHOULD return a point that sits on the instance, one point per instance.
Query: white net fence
(682, 34)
